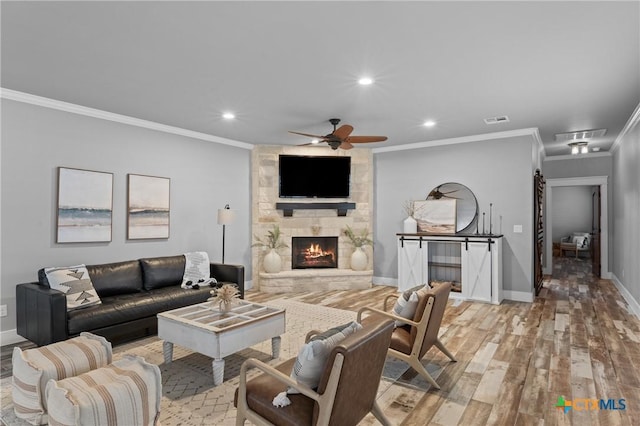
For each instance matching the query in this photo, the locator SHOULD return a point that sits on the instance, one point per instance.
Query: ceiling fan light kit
(340, 137)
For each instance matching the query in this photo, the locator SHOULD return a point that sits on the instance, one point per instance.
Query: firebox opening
(314, 252)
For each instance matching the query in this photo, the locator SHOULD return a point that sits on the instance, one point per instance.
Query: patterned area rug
(189, 396)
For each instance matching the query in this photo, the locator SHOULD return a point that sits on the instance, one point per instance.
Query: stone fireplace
(305, 267)
(314, 252)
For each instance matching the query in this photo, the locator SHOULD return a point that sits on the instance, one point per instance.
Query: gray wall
(35, 141)
(497, 171)
(626, 212)
(571, 210)
(577, 166)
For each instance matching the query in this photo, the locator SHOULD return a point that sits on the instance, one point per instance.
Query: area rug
(189, 396)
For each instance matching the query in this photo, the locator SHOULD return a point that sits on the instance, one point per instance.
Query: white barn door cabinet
(473, 262)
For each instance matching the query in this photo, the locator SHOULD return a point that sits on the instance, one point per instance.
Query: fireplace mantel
(288, 208)
(306, 280)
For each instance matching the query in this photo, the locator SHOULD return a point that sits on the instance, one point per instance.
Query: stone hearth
(315, 280)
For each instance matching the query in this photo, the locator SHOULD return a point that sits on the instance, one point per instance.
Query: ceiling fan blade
(345, 145)
(365, 139)
(307, 134)
(343, 131)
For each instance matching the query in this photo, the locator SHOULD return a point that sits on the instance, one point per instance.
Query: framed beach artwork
(436, 216)
(147, 207)
(85, 205)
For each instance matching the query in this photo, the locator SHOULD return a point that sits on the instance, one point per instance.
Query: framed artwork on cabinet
(148, 209)
(85, 206)
(436, 216)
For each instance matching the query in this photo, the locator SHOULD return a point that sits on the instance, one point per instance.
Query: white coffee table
(205, 329)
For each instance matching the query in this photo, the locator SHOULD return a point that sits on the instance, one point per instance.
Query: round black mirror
(466, 203)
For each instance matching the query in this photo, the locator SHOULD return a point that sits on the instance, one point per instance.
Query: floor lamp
(226, 217)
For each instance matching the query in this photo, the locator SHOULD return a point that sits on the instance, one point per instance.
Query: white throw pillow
(313, 356)
(196, 269)
(75, 283)
(579, 241)
(407, 304)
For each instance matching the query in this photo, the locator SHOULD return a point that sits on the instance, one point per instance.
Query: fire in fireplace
(314, 252)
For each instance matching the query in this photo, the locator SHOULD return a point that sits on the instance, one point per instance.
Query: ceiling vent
(496, 120)
(580, 135)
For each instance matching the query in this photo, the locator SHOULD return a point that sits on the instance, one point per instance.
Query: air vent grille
(496, 120)
(580, 135)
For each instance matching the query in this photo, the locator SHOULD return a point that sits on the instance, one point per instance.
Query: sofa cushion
(123, 308)
(75, 283)
(111, 279)
(158, 272)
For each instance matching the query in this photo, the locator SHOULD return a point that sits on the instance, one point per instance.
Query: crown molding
(578, 156)
(532, 131)
(631, 123)
(28, 98)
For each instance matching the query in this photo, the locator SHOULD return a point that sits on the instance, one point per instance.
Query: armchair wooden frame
(424, 327)
(325, 400)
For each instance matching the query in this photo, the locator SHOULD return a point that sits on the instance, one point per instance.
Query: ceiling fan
(340, 138)
(436, 194)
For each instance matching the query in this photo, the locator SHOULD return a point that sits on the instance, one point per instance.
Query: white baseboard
(392, 282)
(9, 337)
(518, 296)
(634, 306)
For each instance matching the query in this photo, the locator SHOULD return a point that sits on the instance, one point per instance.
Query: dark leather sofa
(132, 293)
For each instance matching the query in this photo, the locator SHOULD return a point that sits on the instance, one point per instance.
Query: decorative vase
(410, 225)
(272, 262)
(359, 259)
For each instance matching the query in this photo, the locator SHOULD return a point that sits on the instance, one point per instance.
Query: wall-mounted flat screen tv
(314, 177)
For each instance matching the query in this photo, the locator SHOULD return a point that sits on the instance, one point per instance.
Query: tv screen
(314, 177)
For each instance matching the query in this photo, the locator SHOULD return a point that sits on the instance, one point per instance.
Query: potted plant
(226, 295)
(359, 259)
(272, 262)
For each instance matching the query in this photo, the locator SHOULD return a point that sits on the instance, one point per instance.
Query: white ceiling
(555, 66)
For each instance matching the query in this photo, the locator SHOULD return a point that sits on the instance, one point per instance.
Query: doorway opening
(599, 232)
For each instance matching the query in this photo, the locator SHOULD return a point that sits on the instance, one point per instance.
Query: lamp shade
(226, 216)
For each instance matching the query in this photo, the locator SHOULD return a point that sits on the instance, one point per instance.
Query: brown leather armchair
(411, 342)
(346, 392)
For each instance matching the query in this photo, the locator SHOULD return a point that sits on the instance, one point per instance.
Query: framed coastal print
(436, 216)
(85, 205)
(147, 207)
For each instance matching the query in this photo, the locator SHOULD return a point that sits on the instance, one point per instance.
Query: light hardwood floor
(577, 340)
(514, 360)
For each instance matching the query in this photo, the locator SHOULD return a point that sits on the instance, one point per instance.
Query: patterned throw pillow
(75, 283)
(313, 356)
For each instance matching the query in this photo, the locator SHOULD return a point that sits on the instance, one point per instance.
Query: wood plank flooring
(577, 339)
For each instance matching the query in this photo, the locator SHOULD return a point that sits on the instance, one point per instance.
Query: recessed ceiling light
(595, 149)
(314, 141)
(365, 81)
(429, 123)
(228, 116)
